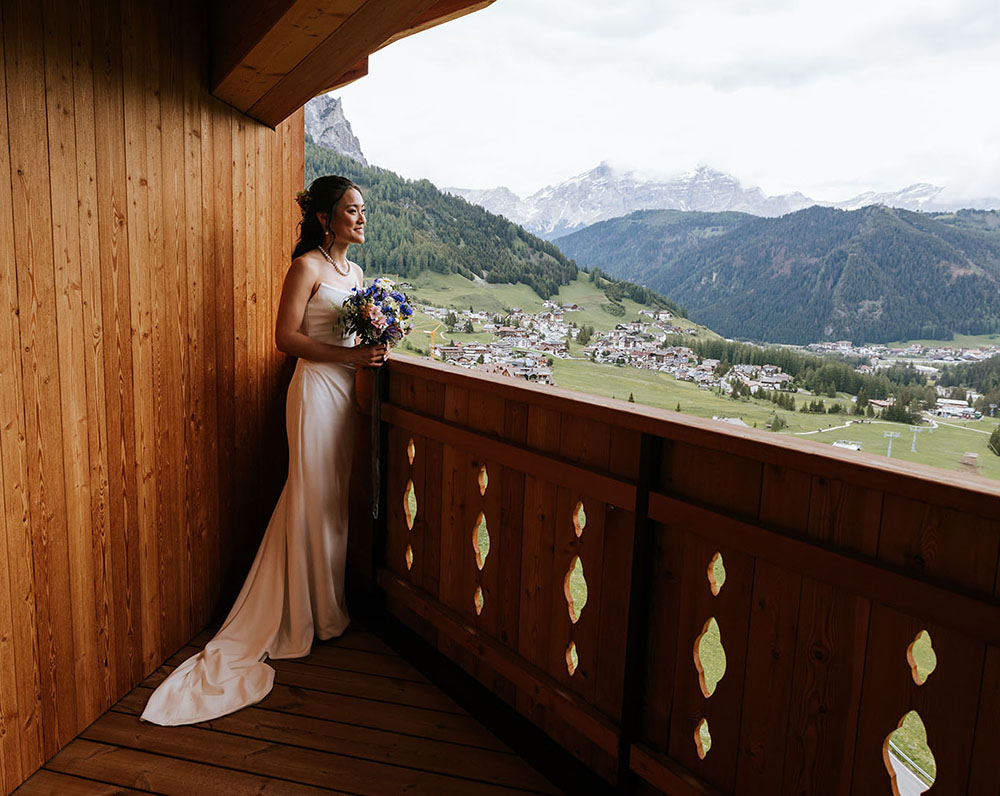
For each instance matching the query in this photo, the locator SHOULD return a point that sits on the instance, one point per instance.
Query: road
(908, 783)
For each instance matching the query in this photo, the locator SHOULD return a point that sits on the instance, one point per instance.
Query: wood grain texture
(118, 338)
(771, 647)
(20, 693)
(333, 722)
(34, 258)
(830, 575)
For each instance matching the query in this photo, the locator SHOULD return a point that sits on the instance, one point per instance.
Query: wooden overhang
(270, 57)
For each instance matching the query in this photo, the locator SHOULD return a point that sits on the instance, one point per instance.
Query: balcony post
(380, 441)
(650, 456)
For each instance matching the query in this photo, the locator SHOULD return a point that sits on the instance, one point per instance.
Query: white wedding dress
(295, 589)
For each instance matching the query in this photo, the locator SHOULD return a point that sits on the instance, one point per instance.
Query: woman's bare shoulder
(304, 268)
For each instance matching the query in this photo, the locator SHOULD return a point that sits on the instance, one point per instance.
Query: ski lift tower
(916, 430)
(891, 436)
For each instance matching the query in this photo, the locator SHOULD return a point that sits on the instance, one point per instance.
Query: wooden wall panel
(145, 228)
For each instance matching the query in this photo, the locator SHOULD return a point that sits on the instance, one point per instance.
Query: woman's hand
(369, 356)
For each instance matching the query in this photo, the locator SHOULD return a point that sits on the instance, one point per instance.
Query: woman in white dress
(295, 589)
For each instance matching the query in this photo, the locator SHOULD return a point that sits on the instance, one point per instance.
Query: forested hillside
(871, 275)
(412, 227)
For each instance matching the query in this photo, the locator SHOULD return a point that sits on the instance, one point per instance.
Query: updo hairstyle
(323, 196)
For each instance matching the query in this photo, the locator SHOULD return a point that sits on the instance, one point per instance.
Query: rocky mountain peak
(328, 127)
(604, 193)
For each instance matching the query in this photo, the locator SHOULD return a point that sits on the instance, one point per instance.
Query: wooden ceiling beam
(255, 45)
(360, 34)
(441, 12)
(356, 72)
(270, 57)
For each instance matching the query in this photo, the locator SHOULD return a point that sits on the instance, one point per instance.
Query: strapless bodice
(324, 309)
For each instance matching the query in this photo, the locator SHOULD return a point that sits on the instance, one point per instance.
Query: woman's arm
(295, 294)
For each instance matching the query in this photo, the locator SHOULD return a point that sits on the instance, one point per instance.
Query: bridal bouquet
(378, 314)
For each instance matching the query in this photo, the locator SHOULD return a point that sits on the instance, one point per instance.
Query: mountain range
(876, 274)
(604, 192)
(748, 265)
(413, 227)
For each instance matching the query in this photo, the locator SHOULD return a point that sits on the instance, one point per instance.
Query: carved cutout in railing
(409, 504)
(921, 657)
(702, 738)
(484, 480)
(572, 659)
(575, 589)
(408, 557)
(815, 552)
(709, 657)
(907, 752)
(481, 540)
(579, 519)
(716, 574)
(411, 451)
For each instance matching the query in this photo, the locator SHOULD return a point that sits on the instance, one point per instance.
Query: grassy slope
(959, 341)
(455, 291)
(942, 448)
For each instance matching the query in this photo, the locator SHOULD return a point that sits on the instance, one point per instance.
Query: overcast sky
(828, 98)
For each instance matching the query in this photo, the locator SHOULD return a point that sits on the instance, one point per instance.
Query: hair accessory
(304, 198)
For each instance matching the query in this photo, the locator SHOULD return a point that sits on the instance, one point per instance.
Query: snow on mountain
(328, 127)
(603, 193)
(913, 197)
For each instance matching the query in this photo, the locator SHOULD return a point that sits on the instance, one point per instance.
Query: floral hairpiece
(304, 198)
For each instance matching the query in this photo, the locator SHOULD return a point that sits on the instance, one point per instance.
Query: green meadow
(454, 291)
(943, 446)
(958, 341)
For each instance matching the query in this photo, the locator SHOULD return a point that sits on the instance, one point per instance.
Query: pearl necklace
(329, 259)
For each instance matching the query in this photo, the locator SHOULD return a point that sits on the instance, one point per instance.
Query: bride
(295, 589)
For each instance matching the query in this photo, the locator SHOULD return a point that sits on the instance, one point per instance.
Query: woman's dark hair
(323, 196)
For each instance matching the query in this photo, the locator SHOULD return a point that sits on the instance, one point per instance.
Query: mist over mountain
(876, 274)
(604, 192)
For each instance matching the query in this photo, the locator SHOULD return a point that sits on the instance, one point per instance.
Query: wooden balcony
(500, 499)
(834, 562)
(352, 717)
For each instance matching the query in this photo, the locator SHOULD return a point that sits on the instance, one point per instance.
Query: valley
(941, 442)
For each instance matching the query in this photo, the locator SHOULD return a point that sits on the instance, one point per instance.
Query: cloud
(787, 94)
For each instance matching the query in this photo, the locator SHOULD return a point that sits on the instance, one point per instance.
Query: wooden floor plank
(355, 638)
(370, 713)
(168, 775)
(335, 655)
(264, 758)
(303, 673)
(502, 768)
(51, 783)
(351, 717)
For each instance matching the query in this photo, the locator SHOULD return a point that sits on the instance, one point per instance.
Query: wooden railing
(834, 562)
